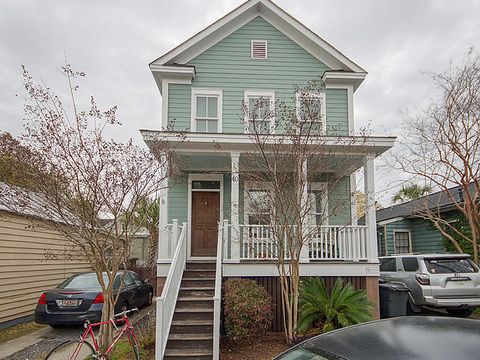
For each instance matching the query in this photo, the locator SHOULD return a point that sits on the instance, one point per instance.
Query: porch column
(304, 209)
(370, 209)
(163, 245)
(235, 205)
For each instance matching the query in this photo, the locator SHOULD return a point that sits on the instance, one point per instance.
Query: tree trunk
(152, 246)
(106, 331)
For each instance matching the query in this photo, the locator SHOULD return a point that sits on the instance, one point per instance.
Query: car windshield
(449, 266)
(83, 282)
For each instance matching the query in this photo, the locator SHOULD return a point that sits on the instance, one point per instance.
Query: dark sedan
(80, 298)
(412, 337)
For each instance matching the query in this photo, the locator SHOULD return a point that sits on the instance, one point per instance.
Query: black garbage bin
(393, 299)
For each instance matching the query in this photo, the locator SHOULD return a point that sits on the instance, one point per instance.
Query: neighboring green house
(400, 229)
(255, 51)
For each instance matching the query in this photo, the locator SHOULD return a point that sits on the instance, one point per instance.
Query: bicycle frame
(125, 328)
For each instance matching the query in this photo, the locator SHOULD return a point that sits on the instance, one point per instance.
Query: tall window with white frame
(402, 242)
(318, 204)
(259, 112)
(206, 110)
(311, 112)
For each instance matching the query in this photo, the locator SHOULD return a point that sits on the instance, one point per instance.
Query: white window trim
(193, 109)
(322, 186)
(409, 239)
(258, 93)
(266, 49)
(316, 94)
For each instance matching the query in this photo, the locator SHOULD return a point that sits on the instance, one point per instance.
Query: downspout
(385, 239)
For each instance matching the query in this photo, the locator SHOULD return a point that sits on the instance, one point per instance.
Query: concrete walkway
(18, 344)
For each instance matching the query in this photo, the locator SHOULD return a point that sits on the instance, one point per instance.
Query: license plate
(68, 303)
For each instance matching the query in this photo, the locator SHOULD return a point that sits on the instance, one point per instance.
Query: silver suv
(444, 281)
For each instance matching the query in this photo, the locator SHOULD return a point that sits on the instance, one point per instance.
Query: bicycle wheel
(134, 346)
(66, 350)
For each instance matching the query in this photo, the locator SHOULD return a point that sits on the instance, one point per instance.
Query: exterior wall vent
(259, 49)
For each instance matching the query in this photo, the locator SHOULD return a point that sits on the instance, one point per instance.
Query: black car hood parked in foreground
(409, 338)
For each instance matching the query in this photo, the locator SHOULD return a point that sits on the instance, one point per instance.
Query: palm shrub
(343, 306)
(248, 308)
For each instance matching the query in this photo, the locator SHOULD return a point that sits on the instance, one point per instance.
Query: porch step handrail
(217, 298)
(167, 301)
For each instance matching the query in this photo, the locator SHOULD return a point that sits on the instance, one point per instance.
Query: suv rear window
(410, 263)
(389, 264)
(450, 266)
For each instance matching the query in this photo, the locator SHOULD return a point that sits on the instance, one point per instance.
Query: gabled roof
(438, 200)
(246, 12)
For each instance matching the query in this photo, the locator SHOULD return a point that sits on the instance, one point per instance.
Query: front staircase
(191, 331)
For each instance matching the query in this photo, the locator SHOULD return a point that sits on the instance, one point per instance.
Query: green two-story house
(257, 51)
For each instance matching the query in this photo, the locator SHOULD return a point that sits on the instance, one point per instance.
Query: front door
(205, 218)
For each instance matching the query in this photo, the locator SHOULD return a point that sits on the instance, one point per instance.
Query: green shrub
(248, 308)
(344, 306)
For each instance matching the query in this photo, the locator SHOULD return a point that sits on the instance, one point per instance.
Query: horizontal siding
(399, 225)
(425, 238)
(339, 202)
(227, 65)
(177, 199)
(25, 272)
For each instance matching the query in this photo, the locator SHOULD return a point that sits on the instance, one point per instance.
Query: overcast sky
(113, 42)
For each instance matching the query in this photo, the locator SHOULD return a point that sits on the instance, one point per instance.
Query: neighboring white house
(255, 51)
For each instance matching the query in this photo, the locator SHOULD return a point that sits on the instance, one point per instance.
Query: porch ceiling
(195, 143)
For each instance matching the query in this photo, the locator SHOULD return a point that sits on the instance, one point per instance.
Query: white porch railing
(166, 302)
(217, 298)
(326, 242)
(170, 238)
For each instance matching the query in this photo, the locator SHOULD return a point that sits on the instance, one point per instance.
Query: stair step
(199, 279)
(197, 288)
(195, 298)
(191, 309)
(192, 322)
(190, 337)
(192, 326)
(188, 353)
(201, 266)
(199, 274)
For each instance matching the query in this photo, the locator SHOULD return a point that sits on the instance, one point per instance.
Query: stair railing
(217, 298)
(166, 302)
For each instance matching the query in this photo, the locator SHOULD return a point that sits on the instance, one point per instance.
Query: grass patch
(123, 351)
(16, 331)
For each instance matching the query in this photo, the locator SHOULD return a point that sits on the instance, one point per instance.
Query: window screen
(402, 242)
(206, 113)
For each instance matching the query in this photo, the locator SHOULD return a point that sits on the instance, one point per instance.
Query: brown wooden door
(205, 218)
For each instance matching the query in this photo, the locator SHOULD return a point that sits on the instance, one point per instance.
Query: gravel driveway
(52, 337)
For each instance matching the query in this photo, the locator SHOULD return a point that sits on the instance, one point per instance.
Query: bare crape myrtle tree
(78, 177)
(441, 147)
(287, 175)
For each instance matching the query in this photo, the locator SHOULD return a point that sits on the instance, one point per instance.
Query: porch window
(257, 209)
(206, 110)
(402, 241)
(259, 109)
(311, 112)
(318, 203)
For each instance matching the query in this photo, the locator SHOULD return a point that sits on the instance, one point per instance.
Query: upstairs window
(206, 110)
(259, 109)
(311, 112)
(258, 49)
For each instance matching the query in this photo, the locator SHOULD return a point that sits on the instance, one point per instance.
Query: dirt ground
(264, 347)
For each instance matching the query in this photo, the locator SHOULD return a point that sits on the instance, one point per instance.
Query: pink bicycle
(83, 350)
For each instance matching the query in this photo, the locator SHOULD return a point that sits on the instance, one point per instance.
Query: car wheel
(463, 313)
(150, 298)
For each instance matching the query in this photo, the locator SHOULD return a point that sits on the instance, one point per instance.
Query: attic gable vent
(259, 49)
